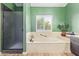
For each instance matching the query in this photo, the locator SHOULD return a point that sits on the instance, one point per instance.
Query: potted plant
(63, 28)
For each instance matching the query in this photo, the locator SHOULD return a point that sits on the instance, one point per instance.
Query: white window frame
(44, 25)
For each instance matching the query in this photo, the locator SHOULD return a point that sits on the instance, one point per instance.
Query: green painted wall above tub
(58, 14)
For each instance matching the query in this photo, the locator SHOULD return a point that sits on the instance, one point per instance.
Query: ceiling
(44, 4)
(48, 4)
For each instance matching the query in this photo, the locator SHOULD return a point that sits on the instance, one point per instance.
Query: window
(43, 23)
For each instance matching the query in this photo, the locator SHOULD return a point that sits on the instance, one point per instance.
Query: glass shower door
(8, 29)
(12, 30)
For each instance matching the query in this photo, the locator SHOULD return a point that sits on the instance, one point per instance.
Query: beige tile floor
(39, 54)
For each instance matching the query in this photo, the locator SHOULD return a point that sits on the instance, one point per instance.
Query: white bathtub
(52, 43)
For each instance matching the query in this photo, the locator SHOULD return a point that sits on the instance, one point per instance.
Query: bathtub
(49, 42)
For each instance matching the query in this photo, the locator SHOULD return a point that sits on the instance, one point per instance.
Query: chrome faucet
(31, 40)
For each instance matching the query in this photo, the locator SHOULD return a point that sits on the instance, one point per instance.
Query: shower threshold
(13, 51)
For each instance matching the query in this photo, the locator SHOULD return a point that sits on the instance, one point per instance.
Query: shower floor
(17, 46)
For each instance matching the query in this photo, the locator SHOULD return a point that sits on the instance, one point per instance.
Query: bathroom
(39, 35)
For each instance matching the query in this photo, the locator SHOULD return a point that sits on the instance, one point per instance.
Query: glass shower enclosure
(12, 29)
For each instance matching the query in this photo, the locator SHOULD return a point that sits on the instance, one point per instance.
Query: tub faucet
(43, 35)
(31, 40)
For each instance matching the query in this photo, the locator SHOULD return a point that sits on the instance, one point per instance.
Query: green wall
(9, 5)
(72, 11)
(26, 23)
(28, 20)
(58, 14)
(67, 21)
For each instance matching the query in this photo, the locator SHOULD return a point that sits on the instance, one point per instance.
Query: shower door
(12, 30)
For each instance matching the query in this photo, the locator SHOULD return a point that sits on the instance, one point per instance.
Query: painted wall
(67, 21)
(72, 10)
(9, 5)
(28, 20)
(58, 14)
(26, 23)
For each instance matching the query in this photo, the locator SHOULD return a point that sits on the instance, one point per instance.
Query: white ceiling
(44, 4)
(48, 4)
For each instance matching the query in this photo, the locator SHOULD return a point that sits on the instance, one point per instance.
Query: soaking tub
(47, 42)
